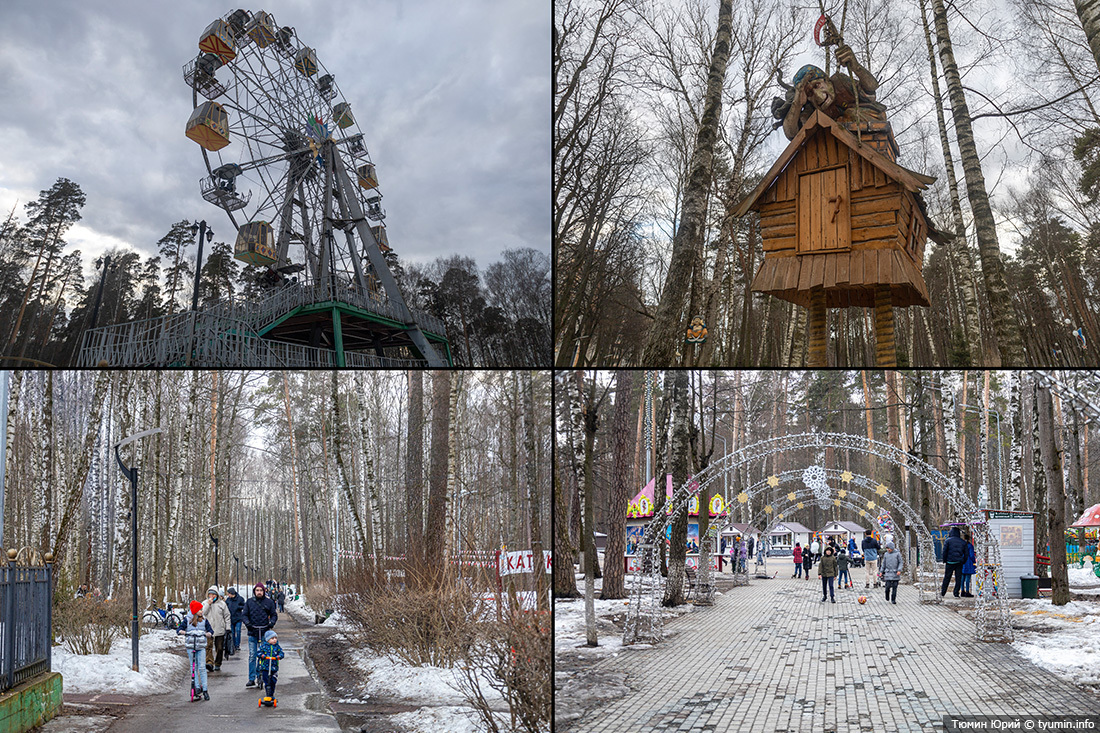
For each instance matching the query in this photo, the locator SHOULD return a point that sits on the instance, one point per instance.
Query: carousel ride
(287, 163)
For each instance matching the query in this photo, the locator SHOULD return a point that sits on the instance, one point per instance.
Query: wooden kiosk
(843, 225)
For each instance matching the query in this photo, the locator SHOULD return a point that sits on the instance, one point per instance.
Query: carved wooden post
(885, 351)
(818, 333)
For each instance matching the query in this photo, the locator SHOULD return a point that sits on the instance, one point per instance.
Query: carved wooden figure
(843, 225)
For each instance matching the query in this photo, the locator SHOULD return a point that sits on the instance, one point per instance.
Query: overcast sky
(452, 98)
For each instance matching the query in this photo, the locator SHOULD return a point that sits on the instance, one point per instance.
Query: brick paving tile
(771, 658)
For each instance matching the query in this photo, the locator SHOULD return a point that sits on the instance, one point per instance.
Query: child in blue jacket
(268, 655)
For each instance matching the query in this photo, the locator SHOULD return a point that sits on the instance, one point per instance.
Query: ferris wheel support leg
(381, 269)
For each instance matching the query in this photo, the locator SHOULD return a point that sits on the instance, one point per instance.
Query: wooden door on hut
(842, 224)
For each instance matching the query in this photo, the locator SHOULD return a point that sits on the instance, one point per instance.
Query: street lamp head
(209, 235)
(194, 229)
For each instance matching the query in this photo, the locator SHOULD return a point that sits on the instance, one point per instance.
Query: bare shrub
(511, 656)
(421, 624)
(320, 596)
(88, 626)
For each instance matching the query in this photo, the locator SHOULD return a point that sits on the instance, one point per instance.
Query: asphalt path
(302, 707)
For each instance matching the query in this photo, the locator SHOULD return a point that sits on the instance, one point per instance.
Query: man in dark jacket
(280, 598)
(870, 547)
(954, 555)
(236, 619)
(259, 616)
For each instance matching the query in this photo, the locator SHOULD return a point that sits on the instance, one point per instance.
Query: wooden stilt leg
(818, 333)
(885, 351)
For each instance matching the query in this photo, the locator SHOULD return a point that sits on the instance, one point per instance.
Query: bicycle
(161, 616)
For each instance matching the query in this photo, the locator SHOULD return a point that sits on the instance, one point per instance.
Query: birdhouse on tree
(842, 225)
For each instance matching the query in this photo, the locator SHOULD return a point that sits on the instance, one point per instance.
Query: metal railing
(212, 338)
(26, 613)
(226, 334)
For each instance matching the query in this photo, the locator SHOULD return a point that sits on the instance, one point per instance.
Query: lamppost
(237, 573)
(99, 293)
(132, 474)
(215, 541)
(208, 235)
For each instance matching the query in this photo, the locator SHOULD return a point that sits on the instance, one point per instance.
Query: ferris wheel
(287, 162)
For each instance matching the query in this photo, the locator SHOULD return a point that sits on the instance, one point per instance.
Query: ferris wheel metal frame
(291, 137)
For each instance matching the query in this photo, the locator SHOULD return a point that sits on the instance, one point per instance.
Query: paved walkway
(771, 658)
(232, 706)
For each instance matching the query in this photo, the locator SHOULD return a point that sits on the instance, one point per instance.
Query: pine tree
(177, 269)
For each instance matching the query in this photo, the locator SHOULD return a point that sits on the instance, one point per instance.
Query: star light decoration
(814, 478)
(773, 481)
(880, 490)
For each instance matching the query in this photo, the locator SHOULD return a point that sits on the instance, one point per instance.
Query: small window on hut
(824, 210)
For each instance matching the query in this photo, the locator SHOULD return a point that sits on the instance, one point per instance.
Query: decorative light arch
(1085, 393)
(927, 571)
(644, 622)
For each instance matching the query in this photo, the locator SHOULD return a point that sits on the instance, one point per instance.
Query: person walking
(842, 574)
(827, 571)
(815, 550)
(217, 615)
(236, 619)
(197, 632)
(743, 557)
(969, 567)
(892, 564)
(259, 616)
(280, 598)
(955, 552)
(797, 560)
(752, 544)
(870, 547)
(807, 562)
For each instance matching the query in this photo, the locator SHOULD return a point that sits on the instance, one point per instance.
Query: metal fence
(26, 615)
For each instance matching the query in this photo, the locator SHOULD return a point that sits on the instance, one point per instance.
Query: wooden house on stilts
(843, 225)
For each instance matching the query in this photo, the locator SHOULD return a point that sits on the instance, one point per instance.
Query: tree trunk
(75, 490)
(347, 487)
(1005, 324)
(1056, 502)
(591, 422)
(613, 569)
(1089, 13)
(1038, 482)
(535, 496)
(666, 333)
(962, 262)
(434, 542)
(366, 474)
(674, 586)
(452, 470)
(414, 477)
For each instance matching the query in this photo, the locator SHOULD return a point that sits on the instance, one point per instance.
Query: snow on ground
(299, 609)
(392, 678)
(161, 668)
(1083, 579)
(448, 718)
(435, 689)
(569, 628)
(1062, 639)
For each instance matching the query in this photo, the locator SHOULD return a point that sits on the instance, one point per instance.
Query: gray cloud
(452, 98)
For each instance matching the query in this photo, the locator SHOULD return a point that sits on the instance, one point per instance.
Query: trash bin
(1029, 586)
